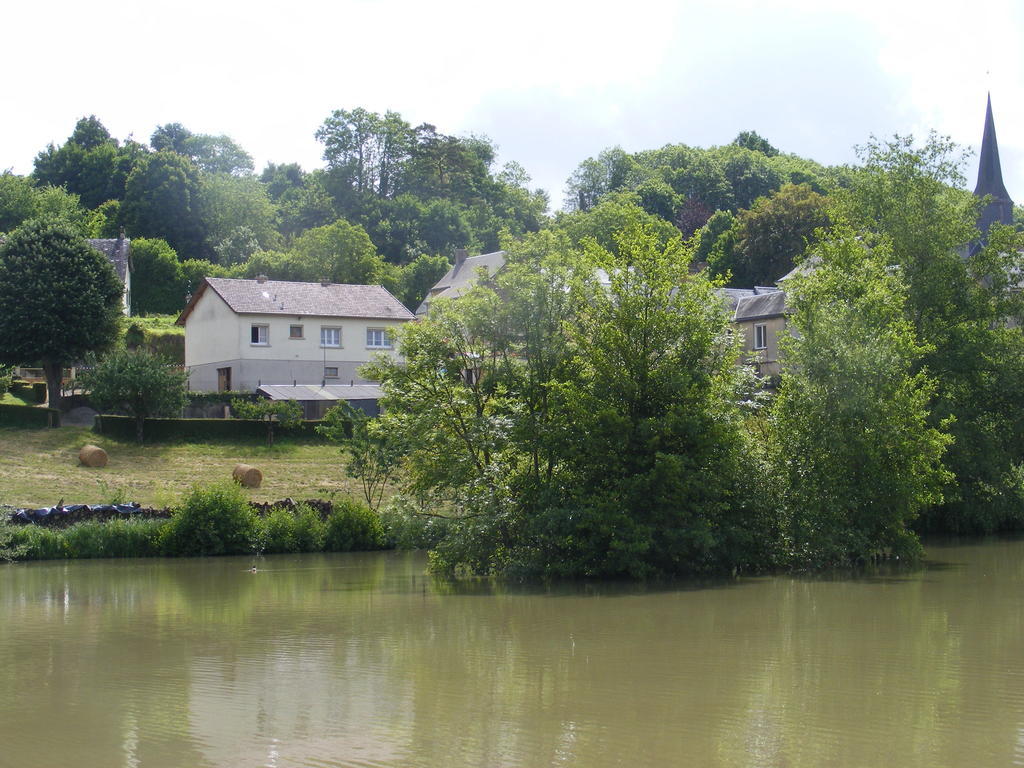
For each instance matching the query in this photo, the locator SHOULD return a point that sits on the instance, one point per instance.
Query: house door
(223, 379)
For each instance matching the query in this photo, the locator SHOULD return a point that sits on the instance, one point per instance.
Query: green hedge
(29, 416)
(199, 430)
(221, 398)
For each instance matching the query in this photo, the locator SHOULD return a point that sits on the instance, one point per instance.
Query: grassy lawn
(39, 467)
(8, 398)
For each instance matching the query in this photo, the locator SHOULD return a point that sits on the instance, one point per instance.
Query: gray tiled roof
(118, 250)
(461, 277)
(330, 392)
(279, 297)
(771, 304)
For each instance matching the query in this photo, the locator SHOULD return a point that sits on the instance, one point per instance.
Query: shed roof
(761, 305)
(280, 297)
(331, 392)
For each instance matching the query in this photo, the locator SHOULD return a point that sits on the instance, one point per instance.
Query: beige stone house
(759, 317)
(242, 334)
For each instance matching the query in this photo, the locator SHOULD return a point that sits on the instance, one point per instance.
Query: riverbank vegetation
(583, 413)
(217, 519)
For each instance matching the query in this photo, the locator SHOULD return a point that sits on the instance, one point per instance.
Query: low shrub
(285, 530)
(353, 526)
(115, 538)
(36, 543)
(212, 520)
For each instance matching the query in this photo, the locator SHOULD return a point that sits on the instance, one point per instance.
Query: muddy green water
(359, 660)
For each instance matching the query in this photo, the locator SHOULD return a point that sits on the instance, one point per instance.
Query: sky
(550, 82)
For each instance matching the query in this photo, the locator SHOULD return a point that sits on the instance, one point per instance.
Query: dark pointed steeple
(990, 179)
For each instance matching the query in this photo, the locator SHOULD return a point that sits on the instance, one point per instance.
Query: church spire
(990, 179)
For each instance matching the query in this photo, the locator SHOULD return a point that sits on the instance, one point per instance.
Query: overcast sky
(550, 82)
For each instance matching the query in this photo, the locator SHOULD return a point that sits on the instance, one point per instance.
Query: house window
(760, 336)
(331, 373)
(294, 331)
(378, 338)
(330, 337)
(260, 334)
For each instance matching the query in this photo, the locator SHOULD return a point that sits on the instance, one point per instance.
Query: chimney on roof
(325, 283)
(120, 234)
(460, 258)
(261, 278)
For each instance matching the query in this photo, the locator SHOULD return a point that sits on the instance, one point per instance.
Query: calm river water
(360, 660)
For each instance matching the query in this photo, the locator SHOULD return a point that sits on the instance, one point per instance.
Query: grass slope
(39, 467)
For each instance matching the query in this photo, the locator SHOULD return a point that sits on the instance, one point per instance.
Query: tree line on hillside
(393, 201)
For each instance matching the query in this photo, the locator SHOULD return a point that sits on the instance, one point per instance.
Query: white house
(242, 334)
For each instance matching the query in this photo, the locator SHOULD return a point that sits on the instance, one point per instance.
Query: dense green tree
(231, 206)
(340, 252)
(608, 217)
(194, 270)
(21, 200)
(753, 141)
(104, 221)
(715, 243)
(59, 299)
(912, 198)
(137, 383)
(595, 177)
(211, 154)
(750, 174)
(854, 451)
(570, 428)
(656, 436)
(157, 281)
(419, 276)
(771, 235)
(90, 164)
(162, 200)
(365, 152)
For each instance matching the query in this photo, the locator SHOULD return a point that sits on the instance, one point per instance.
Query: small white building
(242, 334)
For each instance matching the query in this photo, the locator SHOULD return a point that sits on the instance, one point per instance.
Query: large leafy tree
(157, 281)
(162, 199)
(90, 164)
(768, 238)
(137, 383)
(211, 154)
(60, 299)
(573, 428)
(913, 198)
(21, 200)
(340, 252)
(854, 453)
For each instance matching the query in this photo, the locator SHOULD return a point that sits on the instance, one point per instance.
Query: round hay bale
(92, 456)
(247, 475)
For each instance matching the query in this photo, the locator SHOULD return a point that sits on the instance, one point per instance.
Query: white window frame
(261, 332)
(760, 336)
(384, 335)
(330, 330)
(301, 334)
